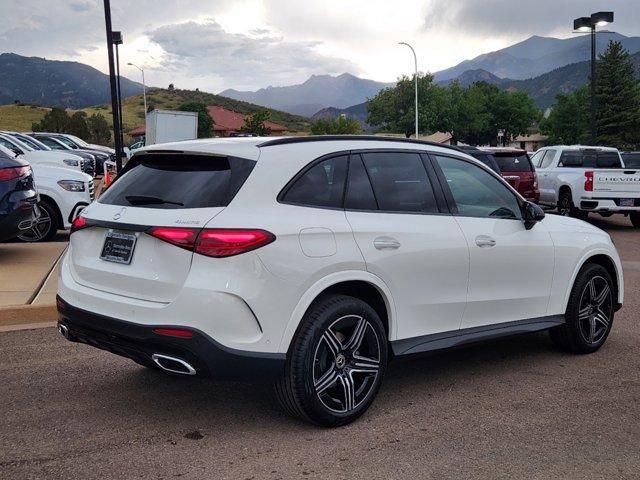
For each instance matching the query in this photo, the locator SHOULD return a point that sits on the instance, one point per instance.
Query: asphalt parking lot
(516, 408)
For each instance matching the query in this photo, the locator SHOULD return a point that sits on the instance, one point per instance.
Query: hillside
(20, 117)
(54, 83)
(318, 92)
(537, 55)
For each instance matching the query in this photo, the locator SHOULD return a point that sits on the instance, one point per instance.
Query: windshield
(78, 141)
(32, 142)
(67, 142)
(513, 162)
(631, 160)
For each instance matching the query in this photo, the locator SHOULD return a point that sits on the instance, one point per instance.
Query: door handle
(485, 241)
(386, 243)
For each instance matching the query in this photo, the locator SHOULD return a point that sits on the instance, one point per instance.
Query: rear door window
(322, 185)
(513, 163)
(571, 159)
(179, 181)
(400, 182)
(359, 191)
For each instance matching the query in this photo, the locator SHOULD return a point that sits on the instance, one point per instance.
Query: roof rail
(329, 138)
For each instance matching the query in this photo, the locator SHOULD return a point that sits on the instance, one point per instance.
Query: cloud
(523, 18)
(205, 49)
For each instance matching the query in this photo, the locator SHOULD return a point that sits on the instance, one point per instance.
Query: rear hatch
(516, 168)
(617, 184)
(116, 252)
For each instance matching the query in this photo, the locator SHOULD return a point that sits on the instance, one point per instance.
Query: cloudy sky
(248, 44)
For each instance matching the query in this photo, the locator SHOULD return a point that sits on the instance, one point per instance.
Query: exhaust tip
(64, 330)
(173, 364)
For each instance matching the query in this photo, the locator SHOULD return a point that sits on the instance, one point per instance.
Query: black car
(485, 157)
(18, 197)
(57, 141)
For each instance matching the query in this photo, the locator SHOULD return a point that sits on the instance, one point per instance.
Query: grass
(20, 117)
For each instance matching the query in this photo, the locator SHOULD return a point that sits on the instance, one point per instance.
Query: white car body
(433, 271)
(69, 204)
(42, 157)
(612, 190)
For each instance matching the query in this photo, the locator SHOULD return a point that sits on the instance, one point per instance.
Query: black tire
(635, 219)
(587, 325)
(566, 208)
(47, 225)
(319, 373)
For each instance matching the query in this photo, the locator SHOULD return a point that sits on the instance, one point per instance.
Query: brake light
(588, 183)
(214, 242)
(174, 332)
(228, 242)
(78, 224)
(180, 237)
(14, 172)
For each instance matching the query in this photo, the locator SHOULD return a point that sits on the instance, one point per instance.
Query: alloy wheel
(346, 363)
(39, 230)
(595, 311)
(564, 206)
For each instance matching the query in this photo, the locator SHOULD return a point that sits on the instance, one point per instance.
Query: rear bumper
(140, 343)
(608, 205)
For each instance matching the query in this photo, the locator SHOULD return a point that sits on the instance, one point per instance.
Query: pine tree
(617, 99)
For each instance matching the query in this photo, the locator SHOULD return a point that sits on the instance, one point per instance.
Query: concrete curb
(20, 315)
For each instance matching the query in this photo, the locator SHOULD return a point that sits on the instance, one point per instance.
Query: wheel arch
(46, 198)
(604, 259)
(358, 284)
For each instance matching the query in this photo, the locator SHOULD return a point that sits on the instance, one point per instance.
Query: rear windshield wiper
(149, 200)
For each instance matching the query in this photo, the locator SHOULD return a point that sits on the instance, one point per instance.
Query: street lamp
(585, 24)
(415, 78)
(144, 94)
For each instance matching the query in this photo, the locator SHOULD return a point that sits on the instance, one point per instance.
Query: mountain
(543, 88)
(56, 83)
(318, 92)
(359, 112)
(537, 55)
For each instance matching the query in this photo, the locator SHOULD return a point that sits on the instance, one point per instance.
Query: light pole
(585, 24)
(144, 94)
(115, 107)
(415, 78)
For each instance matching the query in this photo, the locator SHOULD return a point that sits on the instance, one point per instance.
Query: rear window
(513, 162)
(631, 160)
(179, 181)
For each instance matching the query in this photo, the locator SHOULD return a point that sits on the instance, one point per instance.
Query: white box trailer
(165, 126)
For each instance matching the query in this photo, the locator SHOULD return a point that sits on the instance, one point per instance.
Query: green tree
(55, 120)
(205, 122)
(568, 122)
(99, 131)
(255, 124)
(78, 125)
(341, 125)
(513, 113)
(617, 99)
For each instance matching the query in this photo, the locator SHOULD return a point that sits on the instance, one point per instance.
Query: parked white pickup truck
(578, 180)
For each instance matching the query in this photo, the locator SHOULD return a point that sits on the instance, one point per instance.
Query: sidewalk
(28, 283)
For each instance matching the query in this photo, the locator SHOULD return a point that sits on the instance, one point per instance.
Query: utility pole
(115, 107)
(415, 78)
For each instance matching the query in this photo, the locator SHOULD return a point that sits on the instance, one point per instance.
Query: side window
(359, 192)
(537, 158)
(548, 158)
(476, 192)
(400, 182)
(571, 159)
(320, 186)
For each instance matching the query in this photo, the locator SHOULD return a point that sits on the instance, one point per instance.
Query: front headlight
(72, 185)
(71, 163)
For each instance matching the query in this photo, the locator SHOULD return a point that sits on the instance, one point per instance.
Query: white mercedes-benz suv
(316, 260)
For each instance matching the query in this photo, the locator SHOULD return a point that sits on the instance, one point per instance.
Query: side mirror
(531, 214)
(17, 151)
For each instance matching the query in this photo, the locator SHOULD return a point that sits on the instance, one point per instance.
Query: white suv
(315, 260)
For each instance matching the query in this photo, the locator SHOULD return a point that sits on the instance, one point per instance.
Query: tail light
(216, 242)
(588, 183)
(535, 181)
(78, 224)
(14, 172)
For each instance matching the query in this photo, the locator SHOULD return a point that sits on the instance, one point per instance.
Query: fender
(583, 259)
(317, 288)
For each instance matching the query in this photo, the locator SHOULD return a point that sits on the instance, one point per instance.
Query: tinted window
(359, 192)
(513, 162)
(400, 182)
(631, 160)
(50, 143)
(571, 159)
(182, 181)
(478, 193)
(608, 160)
(548, 158)
(320, 186)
